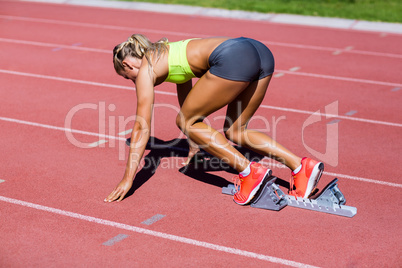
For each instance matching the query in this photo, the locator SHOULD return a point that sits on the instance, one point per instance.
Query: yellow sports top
(179, 69)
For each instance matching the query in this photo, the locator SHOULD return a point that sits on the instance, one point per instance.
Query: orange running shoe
(247, 187)
(307, 178)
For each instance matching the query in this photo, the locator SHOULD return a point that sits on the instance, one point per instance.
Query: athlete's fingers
(121, 196)
(120, 191)
(113, 195)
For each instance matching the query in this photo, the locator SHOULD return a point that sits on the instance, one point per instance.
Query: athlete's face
(131, 68)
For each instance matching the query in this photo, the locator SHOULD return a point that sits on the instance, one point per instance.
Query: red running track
(57, 58)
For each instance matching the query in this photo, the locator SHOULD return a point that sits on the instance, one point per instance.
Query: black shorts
(241, 59)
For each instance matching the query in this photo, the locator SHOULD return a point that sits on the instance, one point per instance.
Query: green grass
(371, 10)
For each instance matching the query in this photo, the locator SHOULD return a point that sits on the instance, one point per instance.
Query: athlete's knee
(180, 121)
(233, 135)
(184, 123)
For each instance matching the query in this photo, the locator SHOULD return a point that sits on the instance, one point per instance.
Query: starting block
(271, 197)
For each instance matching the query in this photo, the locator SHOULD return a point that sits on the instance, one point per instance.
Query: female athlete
(232, 72)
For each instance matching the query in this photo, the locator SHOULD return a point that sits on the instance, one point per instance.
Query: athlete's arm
(141, 131)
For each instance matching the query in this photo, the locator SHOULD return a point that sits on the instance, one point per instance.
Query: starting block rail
(271, 197)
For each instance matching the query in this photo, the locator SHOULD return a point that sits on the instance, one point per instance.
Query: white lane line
(278, 72)
(323, 76)
(391, 184)
(54, 46)
(268, 162)
(1, 181)
(377, 122)
(174, 94)
(164, 33)
(79, 81)
(332, 49)
(124, 139)
(166, 236)
(349, 79)
(99, 26)
(23, 122)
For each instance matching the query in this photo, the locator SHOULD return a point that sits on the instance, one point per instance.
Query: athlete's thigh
(243, 107)
(210, 94)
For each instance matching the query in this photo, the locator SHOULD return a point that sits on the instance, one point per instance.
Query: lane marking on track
(166, 236)
(348, 79)
(2, 181)
(115, 239)
(80, 81)
(42, 44)
(164, 33)
(352, 112)
(153, 219)
(329, 49)
(377, 122)
(276, 75)
(268, 162)
(128, 131)
(180, 149)
(391, 184)
(96, 144)
(278, 72)
(338, 52)
(23, 122)
(174, 94)
(334, 121)
(323, 76)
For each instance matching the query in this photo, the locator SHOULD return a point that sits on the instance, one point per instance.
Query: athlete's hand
(193, 150)
(120, 191)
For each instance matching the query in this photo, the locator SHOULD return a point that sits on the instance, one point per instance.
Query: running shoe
(247, 187)
(303, 182)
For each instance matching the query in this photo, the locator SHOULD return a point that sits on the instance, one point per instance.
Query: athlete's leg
(182, 92)
(208, 95)
(239, 112)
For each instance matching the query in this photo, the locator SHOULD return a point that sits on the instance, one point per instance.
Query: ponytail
(138, 46)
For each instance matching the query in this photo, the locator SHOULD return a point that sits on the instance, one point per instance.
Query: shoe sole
(314, 178)
(255, 190)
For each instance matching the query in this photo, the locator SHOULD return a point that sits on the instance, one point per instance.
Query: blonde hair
(138, 46)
